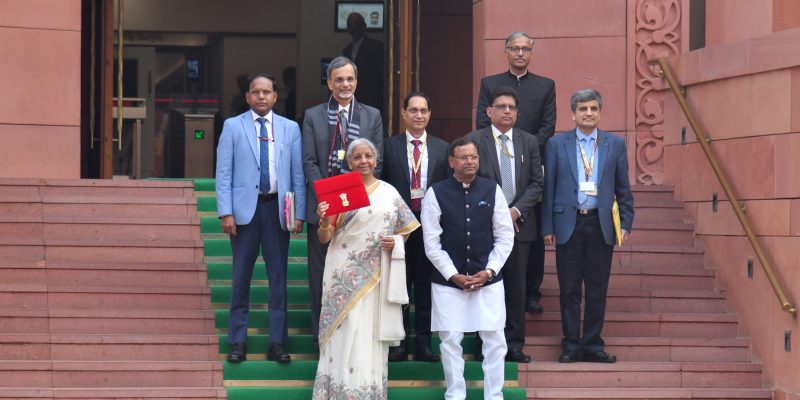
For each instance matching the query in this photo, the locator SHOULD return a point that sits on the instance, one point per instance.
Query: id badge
(589, 188)
(417, 193)
(340, 154)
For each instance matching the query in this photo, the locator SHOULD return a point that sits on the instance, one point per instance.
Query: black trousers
(583, 260)
(418, 279)
(514, 283)
(316, 269)
(535, 273)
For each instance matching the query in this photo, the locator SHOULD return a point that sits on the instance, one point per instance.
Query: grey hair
(584, 95)
(340, 62)
(515, 35)
(358, 142)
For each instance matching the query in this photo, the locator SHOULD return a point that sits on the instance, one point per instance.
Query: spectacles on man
(467, 157)
(415, 111)
(256, 92)
(504, 107)
(517, 49)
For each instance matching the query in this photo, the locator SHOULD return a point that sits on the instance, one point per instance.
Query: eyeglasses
(516, 49)
(504, 107)
(468, 157)
(414, 111)
(256, 92)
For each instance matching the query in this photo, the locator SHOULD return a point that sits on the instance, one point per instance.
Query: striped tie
(507, 182)
(263, 141)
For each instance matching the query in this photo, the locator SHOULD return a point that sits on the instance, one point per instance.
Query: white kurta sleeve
(503, 229)
(431, 235)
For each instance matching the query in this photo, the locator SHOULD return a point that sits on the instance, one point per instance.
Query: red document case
(343, 192)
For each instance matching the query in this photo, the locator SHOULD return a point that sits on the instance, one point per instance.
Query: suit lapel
(250, 134)
(279, 137)
(569, 148)
(602, 156)
(491, 153)
(432, 161)
(402, 153)
(518, 156)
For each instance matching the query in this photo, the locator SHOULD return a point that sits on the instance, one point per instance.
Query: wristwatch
(491, 274)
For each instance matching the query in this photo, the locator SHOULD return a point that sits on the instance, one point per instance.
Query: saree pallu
(353, 360)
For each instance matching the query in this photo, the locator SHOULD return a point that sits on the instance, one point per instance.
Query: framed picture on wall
(371, 11)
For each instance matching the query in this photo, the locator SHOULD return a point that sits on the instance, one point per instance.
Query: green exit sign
(199, 134)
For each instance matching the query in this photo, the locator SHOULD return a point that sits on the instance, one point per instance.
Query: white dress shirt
(423, 149)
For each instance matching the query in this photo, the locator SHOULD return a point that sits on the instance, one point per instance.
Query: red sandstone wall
(40, 43)
(745, 89)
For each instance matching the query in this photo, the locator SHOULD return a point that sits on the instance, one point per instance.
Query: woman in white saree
(353, 358)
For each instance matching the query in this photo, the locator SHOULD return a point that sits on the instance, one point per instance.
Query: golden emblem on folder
(343, 196)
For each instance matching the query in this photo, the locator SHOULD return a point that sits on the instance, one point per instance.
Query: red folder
(343, 192)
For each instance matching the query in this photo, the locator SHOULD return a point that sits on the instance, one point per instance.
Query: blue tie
(263, 140)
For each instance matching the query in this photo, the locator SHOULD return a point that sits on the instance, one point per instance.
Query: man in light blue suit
(259, 160)
(584, 170)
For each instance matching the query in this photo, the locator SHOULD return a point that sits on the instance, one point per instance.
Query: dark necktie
(416, 178)
(343, 124)
(263, 141)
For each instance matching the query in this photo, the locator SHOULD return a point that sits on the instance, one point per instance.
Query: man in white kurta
(468, 241)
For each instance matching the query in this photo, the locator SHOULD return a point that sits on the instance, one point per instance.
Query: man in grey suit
(413, 161)
(327, 129)
(510, 157)
(259, 159)
(586, 169)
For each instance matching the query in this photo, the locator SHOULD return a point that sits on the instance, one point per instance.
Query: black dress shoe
(277, 353)
(398, 353)
(237, 352)
(569, 357)
(599, 357)
(515, 355)
(426, 354)
(533, 306)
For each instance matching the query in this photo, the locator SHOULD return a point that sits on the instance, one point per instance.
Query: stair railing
(738, 208)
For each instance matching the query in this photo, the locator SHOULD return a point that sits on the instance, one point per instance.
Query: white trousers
(494, 353)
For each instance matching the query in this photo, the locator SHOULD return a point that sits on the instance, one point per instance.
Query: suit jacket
(238, 166)
(371, 74)
(395, 163)
(537, 104)
(560, 203)
(527, 171)
(317, 146)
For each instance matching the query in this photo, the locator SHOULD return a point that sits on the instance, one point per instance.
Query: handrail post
(704, 142)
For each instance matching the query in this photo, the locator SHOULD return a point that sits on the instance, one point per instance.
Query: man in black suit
(510, 157)
(327, 128)
(536, 115)
(367, 54)
(413, 161)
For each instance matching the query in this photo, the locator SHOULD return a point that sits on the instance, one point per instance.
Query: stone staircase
(103, 292)
(667, 322)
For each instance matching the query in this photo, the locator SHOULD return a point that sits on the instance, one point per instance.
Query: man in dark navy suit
(413, 161)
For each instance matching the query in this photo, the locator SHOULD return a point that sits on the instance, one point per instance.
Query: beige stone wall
(40, 85)
(745, 90)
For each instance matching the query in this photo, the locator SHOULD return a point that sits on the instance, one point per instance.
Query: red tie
(416, 179)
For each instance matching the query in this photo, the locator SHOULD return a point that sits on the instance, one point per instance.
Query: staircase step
(629, 324)
(648, 393)
(23, 321)
(639, 375)
(117, 250)
(130, 297)
(29, 374)
(137, 393)
(221, 247)
(104, 273)
(631, 277)
(222, 271)
(652, 192)
(121, 228)
(307, 369)
(395, 393)
(116, 374)
(121, 321)
(88, 347)
(651, 349)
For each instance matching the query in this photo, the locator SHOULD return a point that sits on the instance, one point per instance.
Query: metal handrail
(704, 141)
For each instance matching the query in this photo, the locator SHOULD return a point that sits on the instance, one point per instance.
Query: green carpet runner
(258, 379)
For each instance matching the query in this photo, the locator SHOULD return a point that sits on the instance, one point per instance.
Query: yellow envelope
(617, 222)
